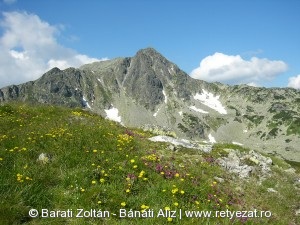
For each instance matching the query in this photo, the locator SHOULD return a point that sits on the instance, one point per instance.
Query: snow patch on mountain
(237, 143)
(211, 139)
(197, 110)
(181, 142)
(208, 99)
(113, 114)
(85, 102)
(155, 114)
(171, 140)
(166, 98)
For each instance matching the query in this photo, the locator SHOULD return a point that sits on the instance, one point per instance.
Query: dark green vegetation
(255, 119)
(281, 116)
(94, 163)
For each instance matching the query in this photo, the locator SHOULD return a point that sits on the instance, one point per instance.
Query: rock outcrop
(244, 164)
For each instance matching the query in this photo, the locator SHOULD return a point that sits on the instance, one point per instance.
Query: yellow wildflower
(144, 207)
(174, 190)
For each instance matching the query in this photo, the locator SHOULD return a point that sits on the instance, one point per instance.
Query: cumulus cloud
(29, 47)
(9, 1)
(233, 69)
(294, 82)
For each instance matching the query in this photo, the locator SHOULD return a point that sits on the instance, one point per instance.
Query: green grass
(97, 164)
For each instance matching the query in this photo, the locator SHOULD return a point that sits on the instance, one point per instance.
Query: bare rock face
(149, 89)
(244, 164)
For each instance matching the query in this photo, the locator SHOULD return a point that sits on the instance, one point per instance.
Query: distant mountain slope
(147, 90)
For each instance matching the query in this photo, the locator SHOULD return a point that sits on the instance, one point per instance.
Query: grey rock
(172, 148)
(44, 158)
(271, 190)
(232, 161)
(297, 212)
(219, 179)
(205, 148)
(179, 142)
(232, 164)
(235, 163)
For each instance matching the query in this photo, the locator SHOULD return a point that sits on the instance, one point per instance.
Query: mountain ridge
(149, 89)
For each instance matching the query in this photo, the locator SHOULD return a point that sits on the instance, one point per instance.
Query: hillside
(148, 90)
(57, 158)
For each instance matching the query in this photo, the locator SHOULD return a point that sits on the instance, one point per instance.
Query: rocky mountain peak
(152, 58)
(149, 52)
(148, 89)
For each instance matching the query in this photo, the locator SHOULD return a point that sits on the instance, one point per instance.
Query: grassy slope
(97, 164)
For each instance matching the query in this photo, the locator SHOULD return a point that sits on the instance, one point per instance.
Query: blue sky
(255, 42)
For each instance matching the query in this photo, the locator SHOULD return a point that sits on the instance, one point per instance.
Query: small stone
(297, 212)
(172, 147)
(269, 161)
(44, 158)
(205, 148)
(271, 190)
(219, 179)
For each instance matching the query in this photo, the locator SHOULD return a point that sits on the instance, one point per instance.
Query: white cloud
(29, 48)
(233, 69)
(9, 1)
(294, 82)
